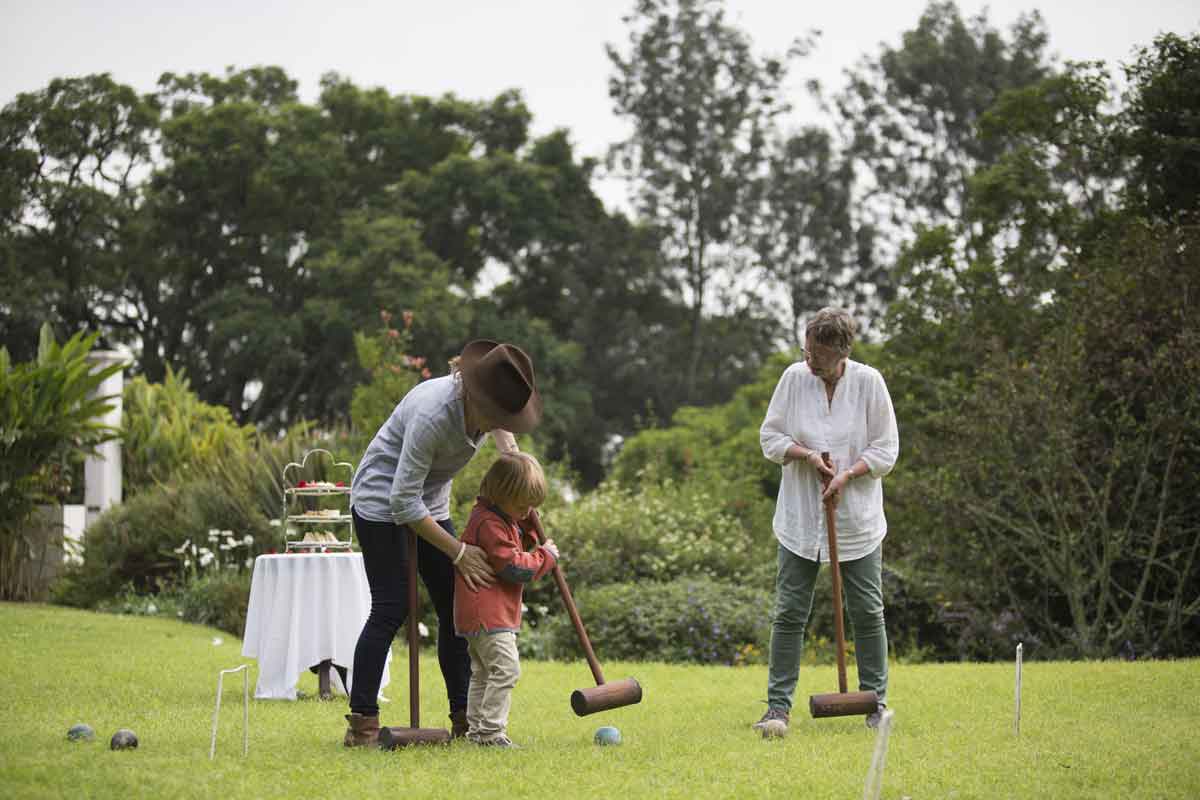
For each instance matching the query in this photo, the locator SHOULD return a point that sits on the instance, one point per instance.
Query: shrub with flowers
(231, 553)
(393, 372)
(163, 537)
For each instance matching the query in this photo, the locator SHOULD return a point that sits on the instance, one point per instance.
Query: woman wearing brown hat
(403, 481)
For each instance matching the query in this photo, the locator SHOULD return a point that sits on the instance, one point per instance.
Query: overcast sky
(552, 50)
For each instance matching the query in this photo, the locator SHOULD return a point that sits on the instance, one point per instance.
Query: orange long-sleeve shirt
(497, 607)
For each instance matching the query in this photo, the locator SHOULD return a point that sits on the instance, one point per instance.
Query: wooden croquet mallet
(392, 737)
(841, 703)
(604, 695)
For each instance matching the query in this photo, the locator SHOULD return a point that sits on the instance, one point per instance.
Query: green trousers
(862, 581)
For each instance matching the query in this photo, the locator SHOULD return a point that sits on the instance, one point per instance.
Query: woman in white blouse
(829, 403)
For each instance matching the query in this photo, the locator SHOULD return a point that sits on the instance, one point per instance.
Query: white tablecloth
(305, 609)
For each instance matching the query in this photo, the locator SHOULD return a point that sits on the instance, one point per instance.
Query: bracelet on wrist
(462, 551)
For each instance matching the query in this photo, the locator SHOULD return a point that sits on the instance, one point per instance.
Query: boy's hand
(552, 547)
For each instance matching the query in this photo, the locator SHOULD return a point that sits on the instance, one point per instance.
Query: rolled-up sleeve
(773, 435)
(883, 435)
(412, 468)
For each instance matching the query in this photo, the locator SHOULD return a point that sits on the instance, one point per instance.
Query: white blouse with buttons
(857, 423)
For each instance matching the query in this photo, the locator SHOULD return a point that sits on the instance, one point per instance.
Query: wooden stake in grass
(245, 670)
(874, 784)
(1017, 703)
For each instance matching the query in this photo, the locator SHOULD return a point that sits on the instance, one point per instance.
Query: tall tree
(71, 160)
(701, 103)
(912, 111)
(1164, 115)
(806, 237)
(1047, 376)
(1070, 485)
(598, 280)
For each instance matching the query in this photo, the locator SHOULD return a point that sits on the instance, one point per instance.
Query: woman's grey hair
(832, 327)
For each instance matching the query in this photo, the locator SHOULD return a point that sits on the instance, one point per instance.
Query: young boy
(490, 618)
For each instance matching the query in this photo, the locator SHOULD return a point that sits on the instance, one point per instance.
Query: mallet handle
(414, 689)
(836, 574)
(569, 602)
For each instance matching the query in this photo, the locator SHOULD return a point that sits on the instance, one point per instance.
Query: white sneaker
(497, 741)
(874, 718)
(771, 714)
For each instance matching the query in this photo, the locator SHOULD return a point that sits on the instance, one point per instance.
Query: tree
(1074, 464)
(701, 103)
(1046, 380)
(807, 239)
(247, 181)
(599, 282)
(1055, 177)
(912, 112)
(1165, 126)
(71, 159)
(227, 231)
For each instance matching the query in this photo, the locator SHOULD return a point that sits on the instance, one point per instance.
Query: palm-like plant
(50, 417)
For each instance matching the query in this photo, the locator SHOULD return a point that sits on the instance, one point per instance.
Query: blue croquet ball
(607, 735)
(124, 739)
(81, 733)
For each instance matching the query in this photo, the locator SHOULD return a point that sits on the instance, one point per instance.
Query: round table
(306, 611)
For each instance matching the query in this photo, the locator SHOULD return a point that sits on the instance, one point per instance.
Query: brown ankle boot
(458, 724)
(363, 731)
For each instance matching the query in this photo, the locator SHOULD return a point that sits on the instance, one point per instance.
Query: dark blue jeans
(385, 557)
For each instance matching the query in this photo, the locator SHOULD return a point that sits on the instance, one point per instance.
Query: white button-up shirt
(859, 423)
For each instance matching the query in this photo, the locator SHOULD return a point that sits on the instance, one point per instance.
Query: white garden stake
(874, 785)
(1017, 713)
(245, 670)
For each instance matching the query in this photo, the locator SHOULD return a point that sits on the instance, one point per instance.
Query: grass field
(1102, 730)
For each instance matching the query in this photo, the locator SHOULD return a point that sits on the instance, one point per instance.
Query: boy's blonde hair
(515, 478)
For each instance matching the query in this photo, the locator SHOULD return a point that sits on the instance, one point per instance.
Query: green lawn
(1111, 730)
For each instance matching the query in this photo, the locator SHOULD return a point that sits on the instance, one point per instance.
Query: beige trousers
(495, 667)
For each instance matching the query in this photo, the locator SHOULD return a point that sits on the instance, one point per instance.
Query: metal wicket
(245, 670)
(1017, 702)
(874, 785)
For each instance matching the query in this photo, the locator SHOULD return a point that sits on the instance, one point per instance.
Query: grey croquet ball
(608, 735)
(81, 733)
(124, 739)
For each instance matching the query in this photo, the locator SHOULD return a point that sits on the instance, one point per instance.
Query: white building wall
(102, 472)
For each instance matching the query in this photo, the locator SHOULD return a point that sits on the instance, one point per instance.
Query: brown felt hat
(499, 380)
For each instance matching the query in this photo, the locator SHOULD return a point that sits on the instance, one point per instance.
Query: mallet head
(843, 704)
(606, 696)
(394, 737)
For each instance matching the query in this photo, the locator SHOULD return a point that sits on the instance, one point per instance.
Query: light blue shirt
(407, 471)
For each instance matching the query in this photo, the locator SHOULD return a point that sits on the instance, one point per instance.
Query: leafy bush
(218, 598)
(224, 478)
(168, 432)
(716, 445)
(49, 420)
(695, 619)
(139, 545)
(665, 531)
